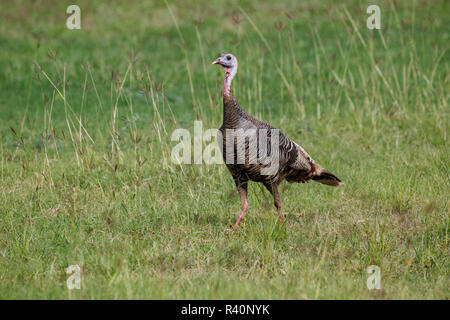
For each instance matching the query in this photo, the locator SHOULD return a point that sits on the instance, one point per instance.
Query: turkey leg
(242, 189)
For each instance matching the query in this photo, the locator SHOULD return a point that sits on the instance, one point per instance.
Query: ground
(86, 118)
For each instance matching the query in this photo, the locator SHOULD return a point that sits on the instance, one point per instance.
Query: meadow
(86, 176)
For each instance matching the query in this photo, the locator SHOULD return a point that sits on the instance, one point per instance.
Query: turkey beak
(217, 61)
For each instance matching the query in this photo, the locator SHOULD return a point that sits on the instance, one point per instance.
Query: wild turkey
(293, 163)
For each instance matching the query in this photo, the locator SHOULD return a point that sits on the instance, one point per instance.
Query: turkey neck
(231, 108)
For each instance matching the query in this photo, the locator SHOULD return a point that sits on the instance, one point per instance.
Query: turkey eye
(228, 57)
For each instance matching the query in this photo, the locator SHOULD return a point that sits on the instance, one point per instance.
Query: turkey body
(294, 164)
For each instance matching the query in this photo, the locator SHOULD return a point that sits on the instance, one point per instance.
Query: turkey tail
(323, 176)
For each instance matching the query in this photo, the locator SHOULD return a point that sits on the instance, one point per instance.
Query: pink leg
(277, 200)
(273, 189)
(244, 204)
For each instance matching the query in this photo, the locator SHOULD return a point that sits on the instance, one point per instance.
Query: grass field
(86, 176)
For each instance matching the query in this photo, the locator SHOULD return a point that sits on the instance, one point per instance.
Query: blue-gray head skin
(229, 63)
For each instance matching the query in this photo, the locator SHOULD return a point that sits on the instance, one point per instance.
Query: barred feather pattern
(295, 165)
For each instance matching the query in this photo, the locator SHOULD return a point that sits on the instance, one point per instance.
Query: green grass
(85, 169)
